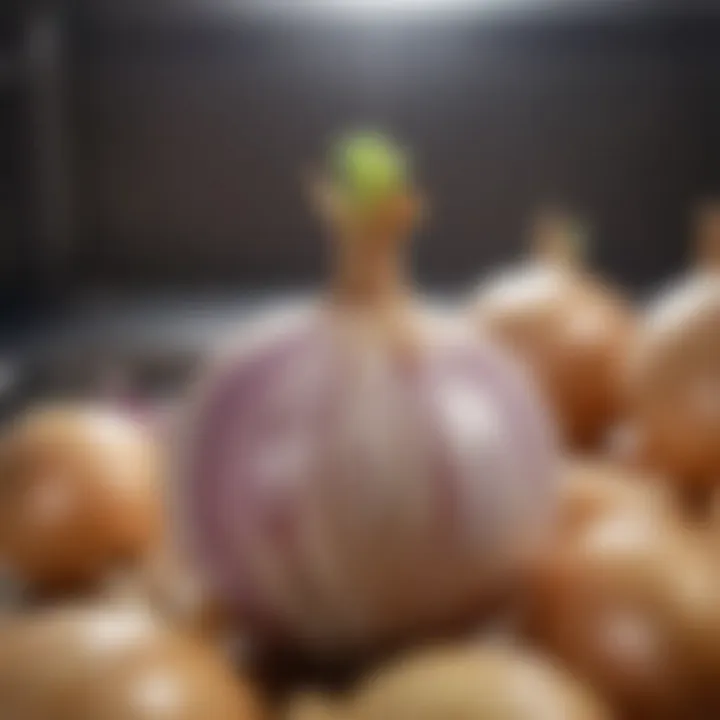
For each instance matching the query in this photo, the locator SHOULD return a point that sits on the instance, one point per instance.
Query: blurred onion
(631, 603)
(80, 496)
(674, 373)
(470, 683)
(570, 328)
(113, 664)
(593, 489)
(364, 468)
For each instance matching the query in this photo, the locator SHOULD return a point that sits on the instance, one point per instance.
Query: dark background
(164, 142)
(152, 144)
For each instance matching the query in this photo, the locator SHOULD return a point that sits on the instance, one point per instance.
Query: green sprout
(369, 167)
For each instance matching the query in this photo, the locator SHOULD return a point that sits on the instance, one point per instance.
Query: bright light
(405, 4)
(404, 7)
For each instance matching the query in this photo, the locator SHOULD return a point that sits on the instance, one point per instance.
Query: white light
(390, 4)
(403, 7)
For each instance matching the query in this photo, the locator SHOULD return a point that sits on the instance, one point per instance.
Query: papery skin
(352, 479)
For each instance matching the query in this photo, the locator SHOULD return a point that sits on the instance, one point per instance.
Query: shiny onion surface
(113, 663)
(674, 369)
(631, 604)
(570, 328)
(80, 496)
(364, 468)
(469, 683)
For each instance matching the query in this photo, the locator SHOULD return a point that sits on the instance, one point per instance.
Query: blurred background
(152, 152)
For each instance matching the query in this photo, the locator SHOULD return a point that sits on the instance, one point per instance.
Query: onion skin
(314, 707)
(166, 585)
(366, 470)
(115, 664)
(80, 495)
(469, 683)
(674, 381)
(392, 528)
(593, 489)
(631, 604)
(574, 339)
(572, 331)
(673, 373)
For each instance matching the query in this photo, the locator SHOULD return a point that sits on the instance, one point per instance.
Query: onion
(364, 468)
(114, 663)
(631, 604)
(675, 370)
(472, 683)
(594, 489)
(168, 586)
(569, 327)
(79, 497)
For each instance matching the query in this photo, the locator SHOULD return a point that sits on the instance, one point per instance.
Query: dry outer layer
(363, 473)
(674, 378)
(570, 328)
(80, 496)
(674, 372)
(631, 603)
(594, 488)
(462, 683)
(113, 663)
(572, 333)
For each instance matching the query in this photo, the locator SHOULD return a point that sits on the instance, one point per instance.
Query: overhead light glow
(408, 6)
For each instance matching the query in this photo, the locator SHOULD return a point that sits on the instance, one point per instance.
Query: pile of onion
(364, 468)
(631, 603)
(569, 327)
(462, 683)
(80, 497)
(674, 374)
(113, 663)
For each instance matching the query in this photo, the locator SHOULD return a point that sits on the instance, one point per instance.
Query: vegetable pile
(368, 508)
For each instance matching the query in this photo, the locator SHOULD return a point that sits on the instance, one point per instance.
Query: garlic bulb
(570, 328)
(364, 468)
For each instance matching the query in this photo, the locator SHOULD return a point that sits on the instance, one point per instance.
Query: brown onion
(631, 603)
(570, 328)
(470, 683)
(170, 587)
(79, 496)
(593, 489)
(113, 664)
(675, 369)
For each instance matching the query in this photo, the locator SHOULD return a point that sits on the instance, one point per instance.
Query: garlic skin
(571, 329)
(364, 468)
